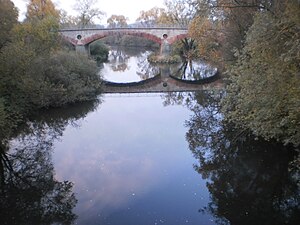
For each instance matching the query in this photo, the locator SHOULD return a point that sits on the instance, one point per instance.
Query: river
(132, 159)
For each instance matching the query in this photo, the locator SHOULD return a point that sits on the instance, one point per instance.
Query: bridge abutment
(83, 49)
(165, 46)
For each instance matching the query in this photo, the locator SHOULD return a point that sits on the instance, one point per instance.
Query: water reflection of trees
(250, 181)
(29, 192)
(145, 69)
(192, 70)
(200, 100)
(119, 61)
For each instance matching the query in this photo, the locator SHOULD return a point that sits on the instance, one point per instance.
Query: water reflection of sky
(130, 164)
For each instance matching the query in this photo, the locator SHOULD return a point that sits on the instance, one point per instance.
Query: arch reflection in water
(128, 64)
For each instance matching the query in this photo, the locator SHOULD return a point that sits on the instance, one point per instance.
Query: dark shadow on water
(29, 192)
(251, 181)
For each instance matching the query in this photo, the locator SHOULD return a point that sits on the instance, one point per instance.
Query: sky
(128, 8)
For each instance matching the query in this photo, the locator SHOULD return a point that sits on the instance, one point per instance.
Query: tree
(34, 75)
(263, 94)
(208, 36)
(8, 18)
(68, 20)
(41, 35)
(151, 17)
(117, 21)
(87, 12)
(40, 30)
(220, 26)
(40, 9)
(179, 12)
(61, 78)
(99, 51)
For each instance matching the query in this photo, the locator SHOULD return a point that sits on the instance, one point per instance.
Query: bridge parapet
(138, 25)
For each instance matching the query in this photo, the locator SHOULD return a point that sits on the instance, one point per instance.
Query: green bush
(29, 82)
(99, 51)
(64, 77)
(263, 94)
(3, 118)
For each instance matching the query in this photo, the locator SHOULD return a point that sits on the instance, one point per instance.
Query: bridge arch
(81, 38)
(95, 37)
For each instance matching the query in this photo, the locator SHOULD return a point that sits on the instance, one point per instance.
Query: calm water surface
(146, 159)
(130, 164)
(128, 65)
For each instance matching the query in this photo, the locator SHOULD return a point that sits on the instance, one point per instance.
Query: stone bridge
(81, 38)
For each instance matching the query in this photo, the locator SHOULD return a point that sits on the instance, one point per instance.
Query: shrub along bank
(36, 72)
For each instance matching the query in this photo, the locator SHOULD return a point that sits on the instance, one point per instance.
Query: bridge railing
(140, 26)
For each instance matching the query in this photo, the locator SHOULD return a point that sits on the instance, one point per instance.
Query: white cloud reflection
(122, 152)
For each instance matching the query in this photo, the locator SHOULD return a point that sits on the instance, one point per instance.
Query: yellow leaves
(9, 15)
(40, 9)
(153, 16)
(117, 21)
(267, 78)
(197, 28)
(40, 35)
(293, 11)
(177, 12)
(207, 35)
